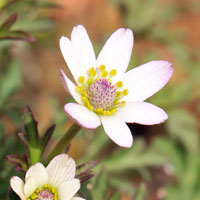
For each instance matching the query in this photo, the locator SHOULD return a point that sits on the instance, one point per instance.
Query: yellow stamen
(104, 74)
(79, 89)
(119, 93)
(90, 81)
(91, 70)
(102, 67)
(38, 190)
(34, 196)
(125, 92)
(119, 84)
(113, 72)
(53, 190)
(123, 103)
(99, 110)
(81, 79)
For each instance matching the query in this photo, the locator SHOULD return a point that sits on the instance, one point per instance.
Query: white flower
(104, 93)
(55, 182)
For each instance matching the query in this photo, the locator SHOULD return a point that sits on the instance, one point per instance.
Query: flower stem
(64, 142)
(35, 155)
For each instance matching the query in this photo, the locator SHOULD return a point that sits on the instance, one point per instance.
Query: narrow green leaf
(100, 187)
(141, 194)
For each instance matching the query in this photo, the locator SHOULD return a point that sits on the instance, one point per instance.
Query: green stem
(35, 155)
(64, 142)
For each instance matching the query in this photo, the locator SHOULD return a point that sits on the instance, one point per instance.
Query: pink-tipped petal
(117, 130)
(17, 185)
(116, 52)
(82, 115)
(146, 80)
(142, 113)
(78, 53)
(61, 168)
(70, 87)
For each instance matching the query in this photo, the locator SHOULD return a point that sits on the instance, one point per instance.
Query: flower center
(102, 94)
(45, 193)
(99, 94)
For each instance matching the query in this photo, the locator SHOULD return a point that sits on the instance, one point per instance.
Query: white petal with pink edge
(61, 168)
(117, 130)
(17, 185)
(82, 115)
(67, 189)
(70, 87)
(78, 53)
(142, 113)
(145, 80)
(39, 173)
(116, 52)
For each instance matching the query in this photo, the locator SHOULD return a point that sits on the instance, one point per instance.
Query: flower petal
(116, 52)
(61, 168)
(142, 113)
(17, 185)
(70, 87)
(30, 186)
(82, 115)
(78, 53)
(39, 173)
(117, 130)
(68, 189)
(146, 80)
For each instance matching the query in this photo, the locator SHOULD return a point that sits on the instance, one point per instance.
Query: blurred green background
(164, 162)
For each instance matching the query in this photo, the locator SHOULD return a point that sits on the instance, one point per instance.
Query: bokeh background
(164, 162)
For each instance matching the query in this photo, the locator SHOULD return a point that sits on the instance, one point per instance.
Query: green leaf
(116, 196)
(100, 186)
(141, 194)
(134, 158)
(183, 126)
(10, 82)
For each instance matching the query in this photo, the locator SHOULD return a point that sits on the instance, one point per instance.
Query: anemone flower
(105, 93)
(54, 182)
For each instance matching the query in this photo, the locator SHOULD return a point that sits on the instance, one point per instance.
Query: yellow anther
(85, 94)
(119, 84)
(123, 103)
(113, 110)
(38, 190)
(90, 81)
(94, 73)
(99, 110)
(119, 93)
(104, 74)
(102, 67)
(125, 92)
(53, 190)
(81, 79)
(113, 72)
(34, 196)
(90, 107)
(91, 70)
(79, 89)
(46, 186)
(116, 101)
